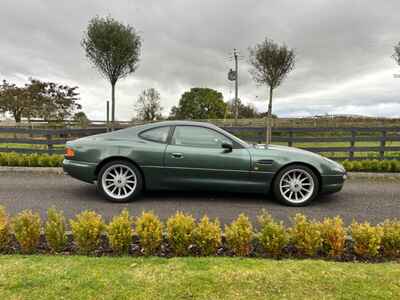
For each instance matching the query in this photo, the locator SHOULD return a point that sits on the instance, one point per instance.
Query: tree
(114, 49)
(396, 54)
(244, 111)
(148, 105)
(271, 64)
(200, 103)
(38, 99)
(81, 119)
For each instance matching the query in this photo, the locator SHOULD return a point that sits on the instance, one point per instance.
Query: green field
(78, 277)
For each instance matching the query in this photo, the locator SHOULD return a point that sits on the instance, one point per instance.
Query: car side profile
(185, 155)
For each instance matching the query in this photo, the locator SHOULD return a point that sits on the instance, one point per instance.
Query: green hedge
(13, 159)
(372, 165)
(183, 235)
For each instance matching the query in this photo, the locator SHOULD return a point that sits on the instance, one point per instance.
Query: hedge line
(44, 160)
(182, 235)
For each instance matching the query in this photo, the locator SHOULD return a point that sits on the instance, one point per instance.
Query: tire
(296, 185)
(120, 181)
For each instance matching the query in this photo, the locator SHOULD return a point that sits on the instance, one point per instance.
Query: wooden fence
(335, 142)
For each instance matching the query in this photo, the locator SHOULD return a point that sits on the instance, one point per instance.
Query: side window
(159, 134)
(198, 137)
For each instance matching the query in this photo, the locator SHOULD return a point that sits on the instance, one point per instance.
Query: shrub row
(372, 165)
(13, 159)
(182, 235)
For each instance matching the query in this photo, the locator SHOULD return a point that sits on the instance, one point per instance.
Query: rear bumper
(80, 170)
(333, 183)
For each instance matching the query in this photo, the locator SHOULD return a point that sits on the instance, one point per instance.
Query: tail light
(69, 152)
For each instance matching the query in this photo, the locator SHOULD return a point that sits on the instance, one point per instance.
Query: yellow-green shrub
(87, 229)
(305, 235)
(4, 229)
(367, 239)
(149, 229)
(207, 236)
(333, 236)
(55, 231)
(272, 235)
(391, 238)
(239, 235)
(179, 232)
(120, 232)
(26, 226)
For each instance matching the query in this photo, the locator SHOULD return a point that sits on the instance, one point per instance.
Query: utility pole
(235, 55)
(233, 76)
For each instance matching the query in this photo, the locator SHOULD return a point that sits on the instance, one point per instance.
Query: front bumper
(81, 170)
(333, 183)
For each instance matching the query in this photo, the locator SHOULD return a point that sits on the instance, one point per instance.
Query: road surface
(370, 200)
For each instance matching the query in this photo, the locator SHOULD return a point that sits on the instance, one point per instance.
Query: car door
(194, 158)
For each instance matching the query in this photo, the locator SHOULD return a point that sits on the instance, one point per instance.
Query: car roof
(176, 123)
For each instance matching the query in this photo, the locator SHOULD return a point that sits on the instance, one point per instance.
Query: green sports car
(197, 156)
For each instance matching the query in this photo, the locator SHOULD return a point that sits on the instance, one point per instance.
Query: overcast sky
(344, 49)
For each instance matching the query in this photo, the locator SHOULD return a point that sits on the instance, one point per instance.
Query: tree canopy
(200, 103)
(245, 111)
(38, 99)
(148, 105)
(113, 48)
(271, 64)
(396, 54)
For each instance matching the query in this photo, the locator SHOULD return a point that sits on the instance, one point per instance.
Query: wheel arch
(308, 165)
(119, 158)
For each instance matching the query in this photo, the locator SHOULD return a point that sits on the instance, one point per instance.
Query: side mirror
(227, 146)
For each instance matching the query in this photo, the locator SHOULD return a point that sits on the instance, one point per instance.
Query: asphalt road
(361, 199)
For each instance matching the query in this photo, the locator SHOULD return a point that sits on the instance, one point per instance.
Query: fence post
(49, 144)
(383, 144)
(290, 142)
(352, 144)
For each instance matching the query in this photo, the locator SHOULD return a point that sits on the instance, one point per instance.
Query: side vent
(264, 162)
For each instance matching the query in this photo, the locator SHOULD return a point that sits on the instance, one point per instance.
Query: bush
(239, 235)
(26, 226)
(305, 235)
(13, 159)
(120, 232)
(372, 165)
(4, 229)
(179, 232)
(54, 229)
(87, 229)
(150, 232)
(272, 235)
(207, 236)
(391, 238)
(367, 239)
(333, 236)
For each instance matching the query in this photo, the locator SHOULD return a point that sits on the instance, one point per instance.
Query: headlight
(335, 165)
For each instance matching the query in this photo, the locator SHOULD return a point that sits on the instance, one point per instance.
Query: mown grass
(79, 277)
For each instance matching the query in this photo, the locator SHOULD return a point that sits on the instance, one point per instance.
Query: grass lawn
(78, 277)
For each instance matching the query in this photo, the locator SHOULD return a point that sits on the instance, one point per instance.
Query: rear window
(159, 134)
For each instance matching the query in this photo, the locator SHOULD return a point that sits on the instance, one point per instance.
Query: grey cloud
(187, 43)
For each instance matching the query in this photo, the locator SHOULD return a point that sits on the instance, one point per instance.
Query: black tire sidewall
(276, 188)
(139, 181)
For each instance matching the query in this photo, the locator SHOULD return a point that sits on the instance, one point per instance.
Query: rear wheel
(296, 185)
(120, 181)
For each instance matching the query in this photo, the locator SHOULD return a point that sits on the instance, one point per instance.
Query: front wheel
(296, 185)
(120, 181)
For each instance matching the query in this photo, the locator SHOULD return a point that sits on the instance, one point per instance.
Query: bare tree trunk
(112, 106)
(268, 136)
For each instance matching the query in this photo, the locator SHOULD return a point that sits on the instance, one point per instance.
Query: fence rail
(334, 142)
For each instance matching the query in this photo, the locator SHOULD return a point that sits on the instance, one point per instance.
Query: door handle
(177, 155)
